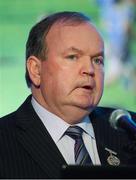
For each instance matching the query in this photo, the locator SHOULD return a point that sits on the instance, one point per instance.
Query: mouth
(87, 88)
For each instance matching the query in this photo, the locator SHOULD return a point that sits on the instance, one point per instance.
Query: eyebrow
(101, 53)
(73, 49)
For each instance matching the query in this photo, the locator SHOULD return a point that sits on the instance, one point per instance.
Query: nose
(87, 68)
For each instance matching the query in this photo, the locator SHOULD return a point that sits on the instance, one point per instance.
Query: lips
(86, 87)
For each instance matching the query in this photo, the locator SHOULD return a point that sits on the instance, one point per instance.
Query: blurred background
(116, 20)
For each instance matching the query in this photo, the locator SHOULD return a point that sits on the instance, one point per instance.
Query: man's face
(73, 74)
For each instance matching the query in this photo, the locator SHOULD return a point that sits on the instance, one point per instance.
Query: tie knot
(74, 132)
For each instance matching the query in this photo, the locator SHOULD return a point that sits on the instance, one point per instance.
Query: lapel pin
(112, 158)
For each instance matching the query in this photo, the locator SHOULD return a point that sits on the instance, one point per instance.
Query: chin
(85, 102)
(85, 105)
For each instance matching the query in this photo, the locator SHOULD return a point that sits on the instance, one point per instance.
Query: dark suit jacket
(28, 151)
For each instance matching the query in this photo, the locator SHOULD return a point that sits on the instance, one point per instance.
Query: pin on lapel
(112, 158)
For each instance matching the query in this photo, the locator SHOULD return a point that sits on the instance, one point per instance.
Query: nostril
(91, 73)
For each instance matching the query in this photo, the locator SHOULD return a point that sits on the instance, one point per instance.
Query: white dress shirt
(57, 127)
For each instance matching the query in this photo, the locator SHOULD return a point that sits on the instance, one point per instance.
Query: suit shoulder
(109, 110)
(7, 120)
(103, 111)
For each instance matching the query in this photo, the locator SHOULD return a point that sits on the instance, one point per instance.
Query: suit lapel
(34, 137)
(100, 142)
(104, 134)
(107, 137)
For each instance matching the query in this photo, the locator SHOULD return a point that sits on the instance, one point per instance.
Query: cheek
(63, 82)
(57, 78)
(55, 82)
(100, 81)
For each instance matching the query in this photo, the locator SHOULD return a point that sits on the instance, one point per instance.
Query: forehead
(83, 36)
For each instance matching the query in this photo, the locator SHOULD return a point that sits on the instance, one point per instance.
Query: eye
(72, 57)
(98, 61)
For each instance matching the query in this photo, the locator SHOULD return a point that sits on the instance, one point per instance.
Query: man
(65, 71)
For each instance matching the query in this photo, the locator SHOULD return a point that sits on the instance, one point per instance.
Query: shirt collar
(57, 126)
(86, 125)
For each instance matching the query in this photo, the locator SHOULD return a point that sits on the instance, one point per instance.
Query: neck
(70, 114)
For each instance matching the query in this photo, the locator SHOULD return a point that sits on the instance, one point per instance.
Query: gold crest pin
(112, 158)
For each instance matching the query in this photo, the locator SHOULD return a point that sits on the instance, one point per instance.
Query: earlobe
(34, 68)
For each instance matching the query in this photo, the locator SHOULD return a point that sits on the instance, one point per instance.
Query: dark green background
(16, 19)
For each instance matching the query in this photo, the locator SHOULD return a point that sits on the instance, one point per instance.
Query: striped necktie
(81, 155)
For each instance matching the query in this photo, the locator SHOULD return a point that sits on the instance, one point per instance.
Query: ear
(34, 68)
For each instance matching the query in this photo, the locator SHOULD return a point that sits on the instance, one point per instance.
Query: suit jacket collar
(33, 136)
